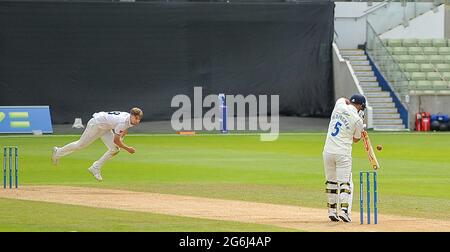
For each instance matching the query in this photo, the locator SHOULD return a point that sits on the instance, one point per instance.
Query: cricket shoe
(55, 160)
(345, 217)
(333, 215)
(96, 173)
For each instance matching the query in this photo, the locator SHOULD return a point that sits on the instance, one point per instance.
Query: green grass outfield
(414, 179)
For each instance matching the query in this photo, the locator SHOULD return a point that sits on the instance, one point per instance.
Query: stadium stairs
(385, 113)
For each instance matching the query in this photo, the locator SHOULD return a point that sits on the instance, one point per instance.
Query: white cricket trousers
(90, 134)
(339, 184)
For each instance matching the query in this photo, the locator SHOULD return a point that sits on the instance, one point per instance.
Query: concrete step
(383, 105)
(389, 127)
(351, 52)
(379, 99)
(386, 116)
(359, 62)
(362, 68)
(377, 94)
(387, 121)
(355, 57)
(367, 78)
(364, 73)
(384, 110)
(368, 90)
(368, 84)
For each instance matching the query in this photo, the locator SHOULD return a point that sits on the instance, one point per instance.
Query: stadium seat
(415, 51)
(409, 42)
(424, 62)
(424, 84)
(403, 58)
(424, 42)
(443, 67)
(427, 68)
(411, 67)
(439, 42)
(433, 76)
(444, 50)
(417, 76)
(408, 75)
(440, 85)
(446, 75)
(400, 50)
(420, 59)
(394, 42)
(430, 50)
(436, 58)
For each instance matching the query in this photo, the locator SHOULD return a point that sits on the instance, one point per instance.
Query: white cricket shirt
(345, 124)
(114, 120)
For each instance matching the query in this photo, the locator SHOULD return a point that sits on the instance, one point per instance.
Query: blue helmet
(358, 99)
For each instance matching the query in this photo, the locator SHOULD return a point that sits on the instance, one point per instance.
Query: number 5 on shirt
(336, 129)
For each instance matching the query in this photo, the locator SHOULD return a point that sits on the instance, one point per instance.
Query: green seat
(408, 75)
(411, 67)
(434, 76)
(439, 42)
(427, 67)
(412, 84)
(430, 50)
(425, 42)
(403, 58)
(400, 51)
(446, 75)
(437, 58)
(409, 42)
(440, 85)
(424, 84)
(416, 76)
(446, 59)
(420, 59)
(443, 67)
(384, 41)
(390, 49)
(415, 51)
(394, 42)
(444, 50)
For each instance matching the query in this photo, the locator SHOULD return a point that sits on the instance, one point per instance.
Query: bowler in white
(111, 127)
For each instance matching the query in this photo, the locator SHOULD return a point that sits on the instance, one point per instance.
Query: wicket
(361, 196)
(8, 162)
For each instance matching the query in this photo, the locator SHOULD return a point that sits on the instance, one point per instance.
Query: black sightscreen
(80, 58)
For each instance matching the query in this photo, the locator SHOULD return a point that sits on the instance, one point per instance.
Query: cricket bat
(368, 147)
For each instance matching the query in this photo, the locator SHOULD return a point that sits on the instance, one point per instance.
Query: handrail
(390, 57)
(376, 7)
(372, 9)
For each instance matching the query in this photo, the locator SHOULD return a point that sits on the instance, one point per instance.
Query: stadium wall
(447, 22)
(428, 25)
(428, 103)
